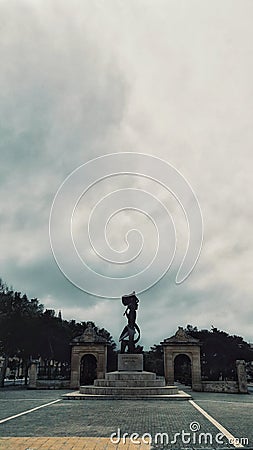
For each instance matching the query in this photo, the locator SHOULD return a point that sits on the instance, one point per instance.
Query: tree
(18, 320)
(219, 352)
(153, 360)
(28, 332)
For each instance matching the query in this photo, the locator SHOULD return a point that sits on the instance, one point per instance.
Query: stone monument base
(130, 362)
(129, 382)
(126, 385)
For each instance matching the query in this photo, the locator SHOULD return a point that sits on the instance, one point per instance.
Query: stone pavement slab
(14, 401)
(91, 423)
(234, 411)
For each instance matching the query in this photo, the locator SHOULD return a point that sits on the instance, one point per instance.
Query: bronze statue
(127, 336)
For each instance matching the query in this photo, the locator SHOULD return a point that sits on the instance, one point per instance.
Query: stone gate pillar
(88, 343)
(33, 373)
(242, 376)
(182, 344)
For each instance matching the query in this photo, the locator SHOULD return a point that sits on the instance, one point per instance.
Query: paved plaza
(33, 419)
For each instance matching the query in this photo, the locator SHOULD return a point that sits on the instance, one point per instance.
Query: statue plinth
(130, 362)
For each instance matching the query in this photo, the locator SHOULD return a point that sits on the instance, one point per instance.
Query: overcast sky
(172, 79)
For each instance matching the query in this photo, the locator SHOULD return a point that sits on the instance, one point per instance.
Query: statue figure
(127, 336)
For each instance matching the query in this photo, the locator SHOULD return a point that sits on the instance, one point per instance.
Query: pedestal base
(129, 382)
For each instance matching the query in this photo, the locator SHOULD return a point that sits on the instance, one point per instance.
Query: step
(117, 375)
(129, 391)
(130, 383)
(180, 396)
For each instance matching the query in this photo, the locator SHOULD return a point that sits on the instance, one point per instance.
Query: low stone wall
(230, 387)
(52, 384)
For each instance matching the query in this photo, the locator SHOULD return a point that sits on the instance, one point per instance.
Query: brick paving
(73, 443)
(77, 424)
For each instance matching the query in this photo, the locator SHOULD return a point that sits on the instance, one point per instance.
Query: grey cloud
(81, 80)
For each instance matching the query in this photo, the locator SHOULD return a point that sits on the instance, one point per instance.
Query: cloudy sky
(171, 79)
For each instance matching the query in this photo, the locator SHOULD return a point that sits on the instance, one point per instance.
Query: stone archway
(183, 369)
(182, 344)
(89, 343)
(88, 369)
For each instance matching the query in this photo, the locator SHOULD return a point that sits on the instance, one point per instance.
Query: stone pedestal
(129, 382)
(130, 385)
(130, 362)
